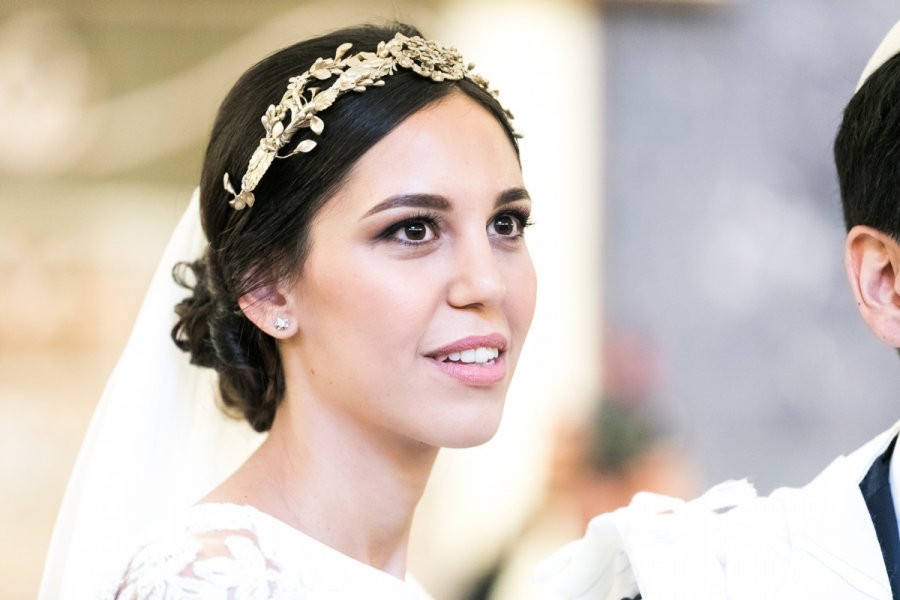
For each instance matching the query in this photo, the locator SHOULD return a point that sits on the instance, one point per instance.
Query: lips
(479, 355)
(475, 360)
(494, 340)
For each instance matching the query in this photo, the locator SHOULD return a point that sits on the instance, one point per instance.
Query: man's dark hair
(867, 153)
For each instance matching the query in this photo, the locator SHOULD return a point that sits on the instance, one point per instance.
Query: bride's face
(414, 301)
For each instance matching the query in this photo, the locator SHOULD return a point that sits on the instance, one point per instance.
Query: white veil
(155, 445)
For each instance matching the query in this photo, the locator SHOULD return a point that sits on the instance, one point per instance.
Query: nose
(477, 278)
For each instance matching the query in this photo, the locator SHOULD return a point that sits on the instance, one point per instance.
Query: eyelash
(434, 221)
(522, 216)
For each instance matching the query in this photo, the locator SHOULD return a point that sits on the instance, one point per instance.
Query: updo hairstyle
(260, 246)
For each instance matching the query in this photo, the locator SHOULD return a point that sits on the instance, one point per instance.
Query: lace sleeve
(221, 564)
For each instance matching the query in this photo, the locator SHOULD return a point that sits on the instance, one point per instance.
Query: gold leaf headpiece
(353, 73)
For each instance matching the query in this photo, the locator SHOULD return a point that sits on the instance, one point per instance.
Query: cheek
(374, 302)
(521, 292)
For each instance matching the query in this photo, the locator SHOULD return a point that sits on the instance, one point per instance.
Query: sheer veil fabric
(156, 443)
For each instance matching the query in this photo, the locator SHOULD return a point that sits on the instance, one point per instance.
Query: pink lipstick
(474, 360)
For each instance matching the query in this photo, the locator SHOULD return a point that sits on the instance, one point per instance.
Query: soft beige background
(103, 111)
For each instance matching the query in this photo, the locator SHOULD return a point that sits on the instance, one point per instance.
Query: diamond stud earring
(281, 323)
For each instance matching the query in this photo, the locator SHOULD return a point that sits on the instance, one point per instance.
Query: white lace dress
(239, 553)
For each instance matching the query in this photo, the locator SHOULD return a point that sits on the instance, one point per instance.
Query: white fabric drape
(156, 442)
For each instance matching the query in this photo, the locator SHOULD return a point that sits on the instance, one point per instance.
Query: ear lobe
(872, 259)
(270, 310)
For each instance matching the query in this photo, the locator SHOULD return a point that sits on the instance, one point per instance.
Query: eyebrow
(511, 195)
(438, 202)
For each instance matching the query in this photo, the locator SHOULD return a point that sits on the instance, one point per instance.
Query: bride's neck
(351, 487)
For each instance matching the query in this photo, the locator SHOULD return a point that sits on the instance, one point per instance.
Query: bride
(363, 294)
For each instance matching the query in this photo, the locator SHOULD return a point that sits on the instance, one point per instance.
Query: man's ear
(271, 310)
(872, 259)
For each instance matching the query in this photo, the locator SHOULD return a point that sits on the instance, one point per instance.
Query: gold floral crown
(354, 73)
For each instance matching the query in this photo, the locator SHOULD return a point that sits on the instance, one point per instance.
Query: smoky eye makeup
(414, 230)
(511, 222)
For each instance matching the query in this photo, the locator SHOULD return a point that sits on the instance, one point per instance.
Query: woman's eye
(507, 225)
(415, 232)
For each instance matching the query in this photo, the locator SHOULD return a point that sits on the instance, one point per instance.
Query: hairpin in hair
(301, 105)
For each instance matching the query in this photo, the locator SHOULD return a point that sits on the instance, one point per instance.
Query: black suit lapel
(876, 489)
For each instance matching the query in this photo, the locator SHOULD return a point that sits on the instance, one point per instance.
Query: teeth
(475, 355)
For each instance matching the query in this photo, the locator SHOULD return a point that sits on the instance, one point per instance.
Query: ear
(270, 309)
(872, 259)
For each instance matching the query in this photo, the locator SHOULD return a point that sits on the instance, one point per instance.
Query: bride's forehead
(448, 126)
(452, 149)
(454, 140)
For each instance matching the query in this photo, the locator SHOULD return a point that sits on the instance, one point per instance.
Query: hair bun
(216, 334)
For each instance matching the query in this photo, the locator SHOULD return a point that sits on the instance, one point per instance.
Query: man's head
(867, 155)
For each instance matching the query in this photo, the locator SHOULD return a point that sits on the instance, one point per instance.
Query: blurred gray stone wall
(723, 235)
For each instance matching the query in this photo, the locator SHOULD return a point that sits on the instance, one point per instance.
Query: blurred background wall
(686, 210)
(723, 237)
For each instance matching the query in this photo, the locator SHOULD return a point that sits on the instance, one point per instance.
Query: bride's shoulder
(219, 550)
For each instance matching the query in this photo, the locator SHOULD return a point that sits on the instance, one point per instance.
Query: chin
(470, 433)
(470, 441)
